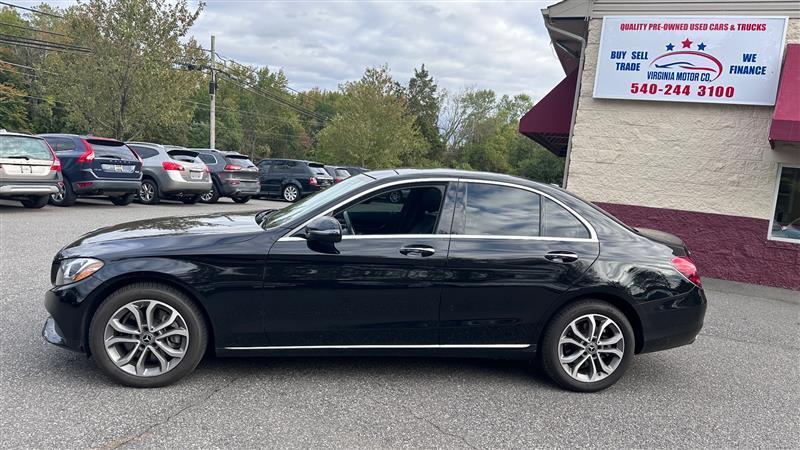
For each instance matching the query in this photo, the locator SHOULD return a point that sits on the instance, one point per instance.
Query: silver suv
(29, 170)
(169, 172)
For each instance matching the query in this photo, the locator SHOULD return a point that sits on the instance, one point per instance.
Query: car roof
(147, 144)
(80, 136)
(11, 133)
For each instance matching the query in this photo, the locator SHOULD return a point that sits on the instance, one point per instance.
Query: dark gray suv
(233, 175)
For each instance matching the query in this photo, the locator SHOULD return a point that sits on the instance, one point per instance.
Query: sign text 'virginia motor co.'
(691, 59)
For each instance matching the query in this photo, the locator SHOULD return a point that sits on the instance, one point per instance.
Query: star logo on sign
(701, 46)
(687, 43)
(670, 47)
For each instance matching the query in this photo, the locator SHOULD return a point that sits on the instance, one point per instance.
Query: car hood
(168, 235)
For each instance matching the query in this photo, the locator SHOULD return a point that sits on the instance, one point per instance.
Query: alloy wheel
(146, 338)
(58, 197)
(146, 192)
(207, 196)
(290, 193)
(591, 348)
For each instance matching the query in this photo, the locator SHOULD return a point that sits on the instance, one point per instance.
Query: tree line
(129, 69)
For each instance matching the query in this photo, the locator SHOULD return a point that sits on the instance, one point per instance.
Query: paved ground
(737, 385)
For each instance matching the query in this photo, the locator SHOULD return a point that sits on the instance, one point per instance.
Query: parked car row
(60, 168)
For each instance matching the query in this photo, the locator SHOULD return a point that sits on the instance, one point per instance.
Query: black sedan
(467, 264)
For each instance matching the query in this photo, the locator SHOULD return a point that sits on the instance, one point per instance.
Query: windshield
(308, 204)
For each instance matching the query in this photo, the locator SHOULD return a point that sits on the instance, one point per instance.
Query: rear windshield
(24, 148)
(318, 169)
(184, 155)
(240, 160)
(112, 150)
(342, 173)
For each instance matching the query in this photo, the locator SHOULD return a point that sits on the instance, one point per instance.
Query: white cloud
(496, 45)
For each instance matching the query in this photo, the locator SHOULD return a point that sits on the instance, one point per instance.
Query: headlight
(76, 269)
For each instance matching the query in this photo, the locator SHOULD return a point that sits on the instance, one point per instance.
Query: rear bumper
(38, 189)
(233, 188)
(672, 322)
(105, 187)
(173, 187)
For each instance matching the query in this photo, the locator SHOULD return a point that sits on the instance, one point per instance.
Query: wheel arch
(114, 284)
(615, 300)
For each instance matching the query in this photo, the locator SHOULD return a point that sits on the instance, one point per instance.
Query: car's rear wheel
(191, 199)
(147, 335)
(587, 346)
(122, 200)
(148, 193)
(35, 202)
(211, 196)
(64, 197)
(241, 199)
(290, 193)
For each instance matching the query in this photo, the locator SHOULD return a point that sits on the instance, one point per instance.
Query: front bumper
(672, 322)
(53, 334)
(107, 187)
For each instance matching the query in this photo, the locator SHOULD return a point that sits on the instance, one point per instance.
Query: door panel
(360, 291)
(501, 287)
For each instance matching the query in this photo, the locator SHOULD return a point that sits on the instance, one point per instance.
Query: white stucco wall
(687, 156)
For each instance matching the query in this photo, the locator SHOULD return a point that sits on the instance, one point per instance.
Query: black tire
(148, 193)
(195, 325)
(241, 199)
(549, 350)
(290, 193)
(65, 198)
(122, 200)
(35, 202)
(191, 200)
(211, 196)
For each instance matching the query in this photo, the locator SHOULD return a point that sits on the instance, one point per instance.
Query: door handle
(561, 256)
(421, 250)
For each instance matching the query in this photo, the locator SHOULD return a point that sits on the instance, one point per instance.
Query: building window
(786, 217)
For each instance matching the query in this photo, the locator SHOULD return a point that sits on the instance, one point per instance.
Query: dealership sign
(691, 59)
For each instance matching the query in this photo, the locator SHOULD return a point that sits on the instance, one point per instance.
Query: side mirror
(324, 229)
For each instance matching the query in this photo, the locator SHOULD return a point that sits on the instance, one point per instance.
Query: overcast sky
(500, 45)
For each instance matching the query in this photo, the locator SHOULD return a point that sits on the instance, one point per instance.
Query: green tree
(130, 83)
(424, 104)
(373, 127)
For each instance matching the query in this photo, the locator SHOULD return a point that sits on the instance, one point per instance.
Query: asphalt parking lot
(736, 386)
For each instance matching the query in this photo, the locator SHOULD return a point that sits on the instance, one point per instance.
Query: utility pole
(212, 90)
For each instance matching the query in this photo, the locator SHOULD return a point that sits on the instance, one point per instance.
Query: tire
(148, 193)
(191, 345)
(66, 197)
(290, 193)
(241, 199)
(190, 200)
(35, 202)
(603, 357)
(211, 196)
(122, 200)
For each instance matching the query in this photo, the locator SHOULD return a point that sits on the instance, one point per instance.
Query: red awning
(549, 120)
(786, 118)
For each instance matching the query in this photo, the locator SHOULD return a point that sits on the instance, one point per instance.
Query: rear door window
(493, 210)
(24, 148)
(107, 149)
(558, 222)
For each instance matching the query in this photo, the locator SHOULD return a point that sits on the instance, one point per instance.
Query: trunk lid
(195, 169)
(24, 158)
(113, 159)
(670, 240)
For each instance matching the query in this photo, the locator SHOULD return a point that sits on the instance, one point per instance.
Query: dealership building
(684, 116)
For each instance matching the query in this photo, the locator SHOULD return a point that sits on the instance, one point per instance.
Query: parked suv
(177, 174)
(292, 179)
(94, 166)
(232, 174)
(338, 173)
(29, 170)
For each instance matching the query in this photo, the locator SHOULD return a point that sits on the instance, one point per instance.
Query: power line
(272, 97)
(43, 43)
(32, 10)
(6, 24)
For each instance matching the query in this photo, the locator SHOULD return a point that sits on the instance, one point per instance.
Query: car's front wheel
(148, 193)
(587, 346)
(147, 335)
(211, 196)
(290, 193)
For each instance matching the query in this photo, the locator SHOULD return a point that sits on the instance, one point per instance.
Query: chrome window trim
(369, 347)
(592, 233)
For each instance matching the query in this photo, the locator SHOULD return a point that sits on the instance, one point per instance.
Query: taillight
(56, 166)
(312, 181)
(88, 155)
(207, 169)
(232, 167)
(172, 165)
(687, 268)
